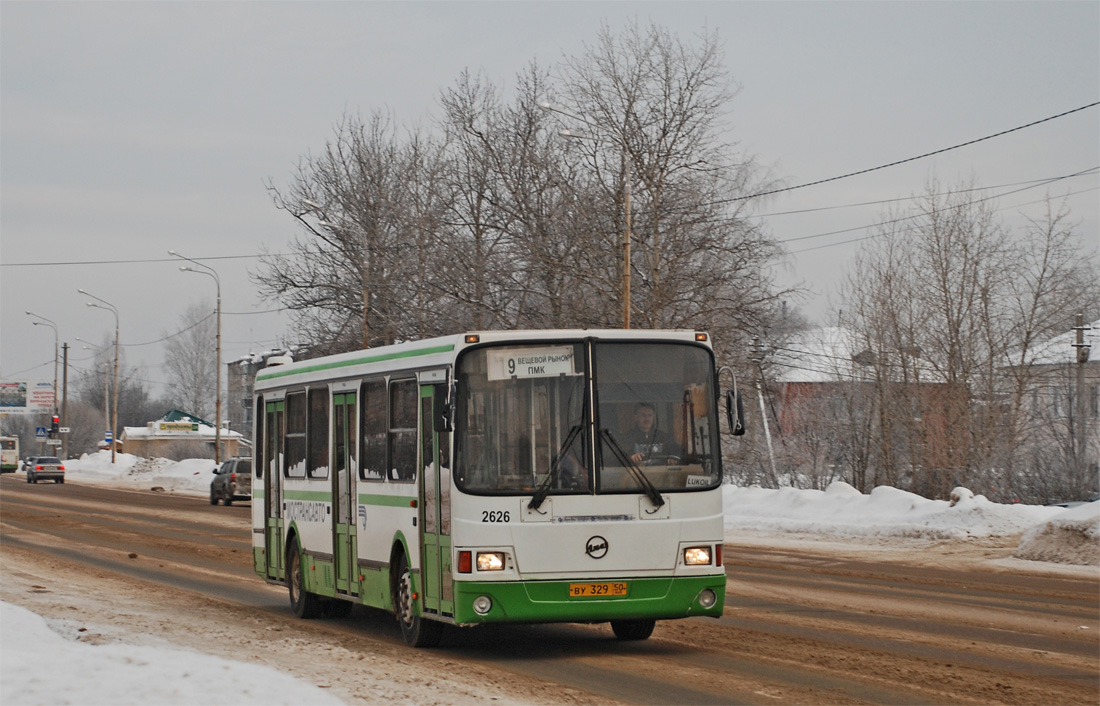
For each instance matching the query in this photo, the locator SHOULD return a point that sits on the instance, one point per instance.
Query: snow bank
(55, 666)
(840, 511)
(189, 477)
(843, 511)
(1073, 537)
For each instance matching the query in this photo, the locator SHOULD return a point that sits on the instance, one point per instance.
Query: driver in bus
(645, 443)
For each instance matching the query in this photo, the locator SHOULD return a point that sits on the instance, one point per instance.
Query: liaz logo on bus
(596, 547)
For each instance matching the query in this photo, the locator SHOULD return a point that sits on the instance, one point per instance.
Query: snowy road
(930, 623)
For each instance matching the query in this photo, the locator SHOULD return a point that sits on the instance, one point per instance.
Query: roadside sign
(107, 435)
(40, 433)
(64, 430)
(53, 442)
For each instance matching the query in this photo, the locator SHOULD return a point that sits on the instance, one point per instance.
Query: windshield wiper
(543, 488)
(650, 490)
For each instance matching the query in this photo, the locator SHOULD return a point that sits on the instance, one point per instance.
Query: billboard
(26, 397)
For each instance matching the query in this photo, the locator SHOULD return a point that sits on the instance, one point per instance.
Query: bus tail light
(465, 562)
(717, 554)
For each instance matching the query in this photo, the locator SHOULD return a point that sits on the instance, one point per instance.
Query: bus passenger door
(343, 477)
(435, 515)
(273, 477)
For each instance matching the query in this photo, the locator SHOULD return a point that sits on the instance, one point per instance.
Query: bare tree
(945, 300)
(339, 278)
(657, 106)
(94, 385)
(191, 361)
(499, 223)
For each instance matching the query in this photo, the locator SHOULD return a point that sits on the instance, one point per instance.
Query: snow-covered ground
(33, 650)
(125, 674)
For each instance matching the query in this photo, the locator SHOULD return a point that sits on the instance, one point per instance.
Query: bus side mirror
(443, 408)
(735, 413)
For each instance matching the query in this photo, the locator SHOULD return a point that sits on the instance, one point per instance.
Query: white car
(45, 468)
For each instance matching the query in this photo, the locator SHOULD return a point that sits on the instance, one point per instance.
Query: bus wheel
(633, 629)
(302, 602)
(417, 631)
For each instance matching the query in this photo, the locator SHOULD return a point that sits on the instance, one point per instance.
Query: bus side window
(258, 448)
(404, 404)
(295, 435)
(318, 432)
(373, 430)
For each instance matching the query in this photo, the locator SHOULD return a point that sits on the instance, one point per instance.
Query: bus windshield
(528, 422)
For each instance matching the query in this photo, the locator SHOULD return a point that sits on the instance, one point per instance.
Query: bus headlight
(482, 605)
(697, 556)
(490, 561)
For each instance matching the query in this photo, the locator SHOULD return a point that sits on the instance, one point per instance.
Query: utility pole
(1080, 428)
(65, 403)
(627, 236)
(758, 358)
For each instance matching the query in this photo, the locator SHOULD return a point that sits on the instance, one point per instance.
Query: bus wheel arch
(417, 630)
(304, 604)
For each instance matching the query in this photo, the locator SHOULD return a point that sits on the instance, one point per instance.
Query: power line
(904, 161)
(909, 198)
(905, 218)
(171, 335)
(134, 262)
(27, 370)
(1031, 185)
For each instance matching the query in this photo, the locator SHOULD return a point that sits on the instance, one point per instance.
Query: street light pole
(627, 193)
(104, 304)
(47, 322)
(209, 271)
(106, 377)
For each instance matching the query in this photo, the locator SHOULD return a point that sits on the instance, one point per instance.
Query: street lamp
(106, 377)
(47, 322)
(627, 235)
(210, 272)
(104, 304)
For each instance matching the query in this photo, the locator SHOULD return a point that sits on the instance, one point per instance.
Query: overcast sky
(128, 129)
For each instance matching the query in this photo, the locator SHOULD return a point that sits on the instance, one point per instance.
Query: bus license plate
(597, 590)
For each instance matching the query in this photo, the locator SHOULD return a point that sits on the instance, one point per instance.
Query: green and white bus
(492, 477)
(9, 453)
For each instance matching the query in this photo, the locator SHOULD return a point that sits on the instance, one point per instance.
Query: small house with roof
(179, 435)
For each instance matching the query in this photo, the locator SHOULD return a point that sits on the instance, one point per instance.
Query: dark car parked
(232, 481)
(45, 468)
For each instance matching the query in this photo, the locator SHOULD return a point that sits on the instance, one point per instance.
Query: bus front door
(343, 478)
(435, 501)
(273, 475)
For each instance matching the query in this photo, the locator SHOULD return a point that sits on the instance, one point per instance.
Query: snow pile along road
(1072, 537)
(189, 477)
(68, 665)
(843, 511)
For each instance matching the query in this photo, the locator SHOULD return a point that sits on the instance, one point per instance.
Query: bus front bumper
(665, 598)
